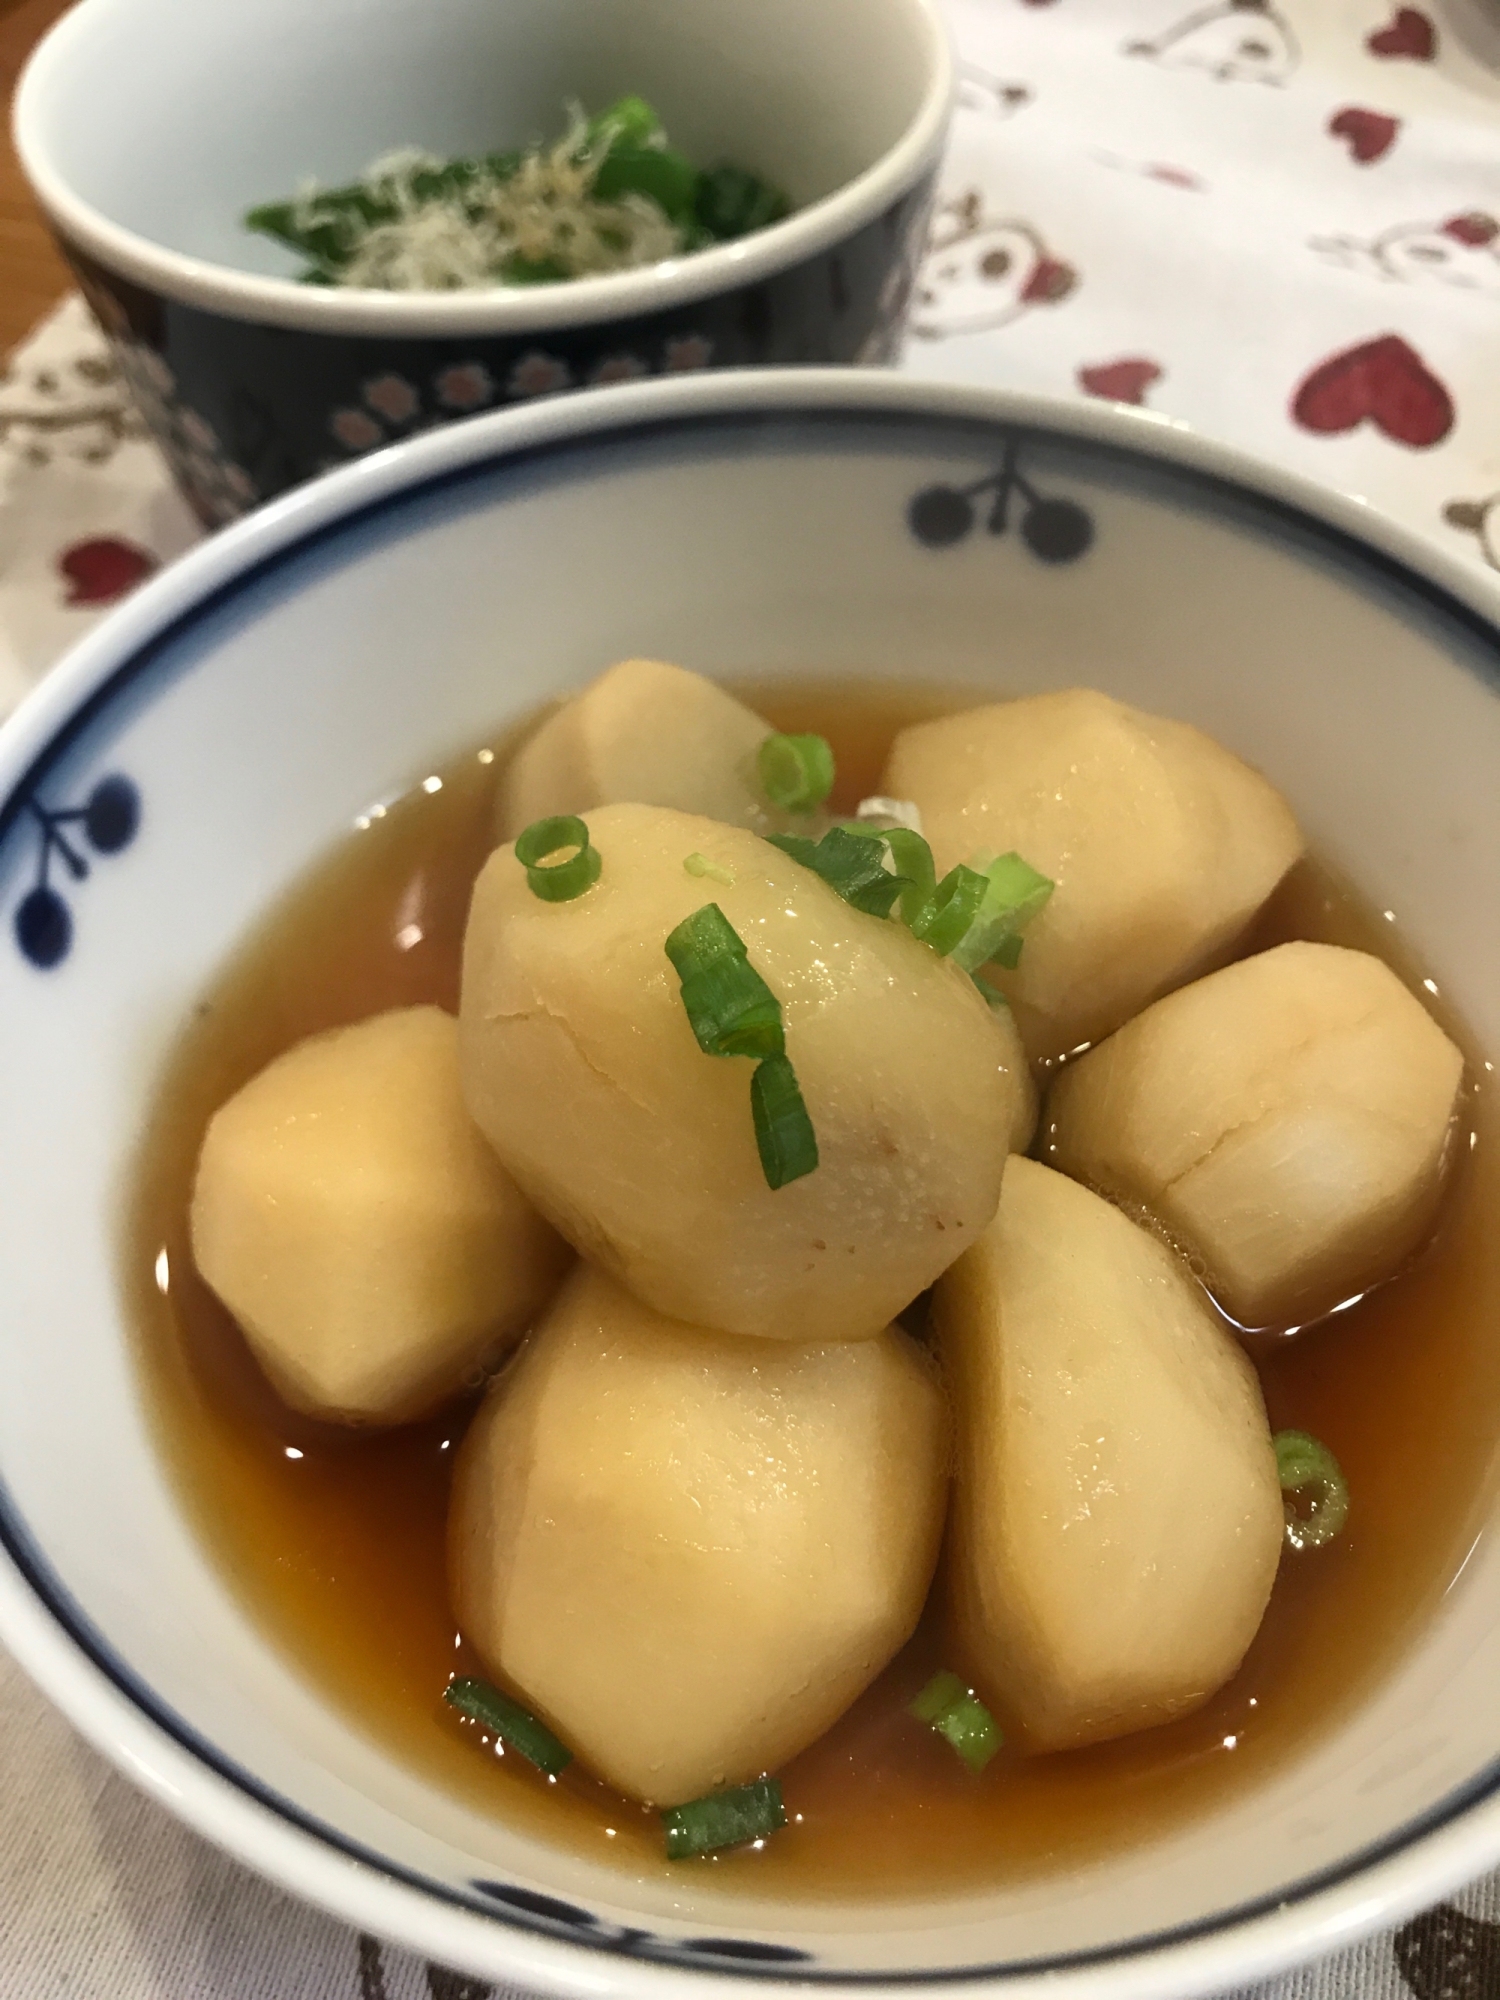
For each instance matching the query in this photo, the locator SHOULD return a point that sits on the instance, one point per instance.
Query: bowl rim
(496, 313)
(52, 1639)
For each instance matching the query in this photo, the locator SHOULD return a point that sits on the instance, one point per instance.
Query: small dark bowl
(148, 127)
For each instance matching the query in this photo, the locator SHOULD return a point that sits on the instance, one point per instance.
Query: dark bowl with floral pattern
(149, 127)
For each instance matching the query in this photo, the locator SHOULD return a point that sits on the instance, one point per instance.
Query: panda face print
(1463, 252)
(984, 279)
(1426, 255)
(1243, 41)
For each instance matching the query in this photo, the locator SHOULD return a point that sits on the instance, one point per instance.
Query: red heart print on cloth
(1369, 135)
(1476, 231)
(103, 569)
(1410, 34)
(1384, 382)
(1122, 381)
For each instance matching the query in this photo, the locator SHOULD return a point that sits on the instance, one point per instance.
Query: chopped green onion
(855, 877)
(724, 1819)
(730, 1008)
(1309, 1469)
(915, 866)
(945, 919)
(1015, 885)
(960, 1718)
(702, 938)
(798, 846)
(1015, 894)
(939, 1695)
(699, 864)
(972, 1731)
(510, 1722)
(852, 864)
(732, 1012)
(784, 1135)
(560, 881)
(976, 914)
(796, 772)
(1007, 953)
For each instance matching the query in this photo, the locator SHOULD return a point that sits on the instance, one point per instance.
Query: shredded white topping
(463, 239)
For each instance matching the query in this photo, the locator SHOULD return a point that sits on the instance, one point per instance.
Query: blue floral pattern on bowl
(392, 406)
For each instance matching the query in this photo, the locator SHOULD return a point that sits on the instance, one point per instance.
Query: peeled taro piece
(1287, 1120)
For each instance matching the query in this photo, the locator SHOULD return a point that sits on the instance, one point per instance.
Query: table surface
(32, 275)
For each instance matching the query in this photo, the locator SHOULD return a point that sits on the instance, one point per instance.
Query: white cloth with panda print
(1250, 215)
(1269, 219)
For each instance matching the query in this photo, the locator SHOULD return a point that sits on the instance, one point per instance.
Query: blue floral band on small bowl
(244, 410)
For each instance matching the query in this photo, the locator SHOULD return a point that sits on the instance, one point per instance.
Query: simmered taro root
(1023, 1121)
(1286, 1120)
(350, 1215)
(689, 1551)
(582, 1068)
(1162, 846)
(647, 732)
(1117, 1518)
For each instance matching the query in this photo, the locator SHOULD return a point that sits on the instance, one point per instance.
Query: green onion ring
(796, 772)
(940, 1693)
(951, 1708)
(559, 881)
(1306, 1467)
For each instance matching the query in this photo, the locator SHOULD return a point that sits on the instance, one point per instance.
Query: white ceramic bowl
(327, 654)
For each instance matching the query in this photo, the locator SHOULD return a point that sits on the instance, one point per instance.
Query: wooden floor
(32, 274)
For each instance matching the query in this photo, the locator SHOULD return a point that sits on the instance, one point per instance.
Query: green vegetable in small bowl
(610, 195)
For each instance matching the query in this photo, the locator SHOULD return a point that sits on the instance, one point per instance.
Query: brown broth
(338, 1551)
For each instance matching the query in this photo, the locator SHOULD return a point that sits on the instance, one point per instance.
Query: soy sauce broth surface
(335, 1538)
